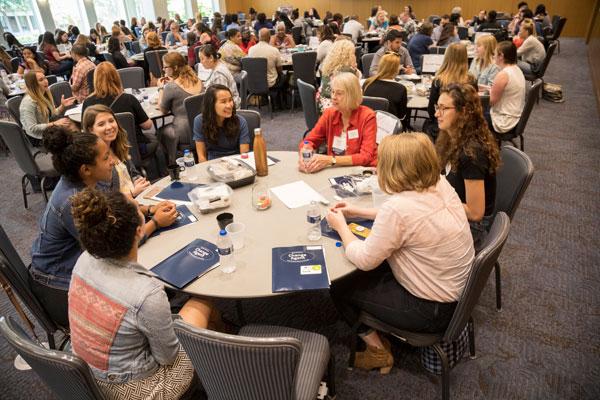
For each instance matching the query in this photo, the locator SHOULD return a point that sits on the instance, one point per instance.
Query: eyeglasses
(442, 109)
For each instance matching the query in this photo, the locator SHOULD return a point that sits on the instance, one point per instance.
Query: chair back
(67, 375)
(531, 97)
(358, 53)
(132, 77)
(14, 138)
(14, 63)
(135, 47)
(480, 271)
(40, 57)
(366, 61)
(437, 50)
(239, 367)
(128, 46)
(13, 105)
(512, 179)
(305, 66)
(197, 53)
(193, 108)
(154, 60)
(109, 57)
(559, 28)
(59, 89)
(297, 34)
(90, 79)
(257, 74)
(52, 79)
(222, 35)
(253, 119)
(309, 103)
(127, 122)
(542, 70)
(376, 103)
(397, 127)
(463, 32)
(243, 91)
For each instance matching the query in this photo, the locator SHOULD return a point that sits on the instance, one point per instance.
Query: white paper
(386, 126)
(297, 194)
(74, 110)
(250, 160)
(431, 63)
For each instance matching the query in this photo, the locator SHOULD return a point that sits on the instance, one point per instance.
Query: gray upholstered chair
(309, 104)
(109, 57)
(539, 74)
(376, 103)
(193, 108)
(13, 105)
(154, 60)
(132, 77)
(60, 89)
(257, 79)
(39, 167)
(127, 122)
(305, 66)
(90, 79)
(482, 266)
(264, 362)
(135, 47)
(366, 61)
(52, 79)
(253, 119)
(67, 375)
(512, 180)
(243, 89)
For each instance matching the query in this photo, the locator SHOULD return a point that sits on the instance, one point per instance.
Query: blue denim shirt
(120, 319)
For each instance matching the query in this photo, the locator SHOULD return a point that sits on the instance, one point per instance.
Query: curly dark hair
(210, 130)
(106, 222)
(70, 150)
(472, 128)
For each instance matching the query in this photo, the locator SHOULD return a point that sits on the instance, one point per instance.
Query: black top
(434, 95)
(125, 103)
(489, 25)
(120, 61)
(395, 93)
(147, 49)
(474, 169)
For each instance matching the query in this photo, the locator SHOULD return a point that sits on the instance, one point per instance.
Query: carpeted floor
(544, 345)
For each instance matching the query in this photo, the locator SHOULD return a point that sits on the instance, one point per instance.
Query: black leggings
(379, 293)
(54, 301)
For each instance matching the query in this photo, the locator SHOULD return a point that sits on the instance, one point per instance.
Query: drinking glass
(261, 198)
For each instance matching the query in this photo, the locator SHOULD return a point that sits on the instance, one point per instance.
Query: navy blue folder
(185, 217)
(326, 230)
(299, 268)
(178, 191)
(189, 263)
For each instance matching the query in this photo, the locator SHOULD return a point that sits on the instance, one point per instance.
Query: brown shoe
(374, 357)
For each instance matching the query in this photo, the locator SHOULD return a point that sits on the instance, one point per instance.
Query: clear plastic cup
(236, 231)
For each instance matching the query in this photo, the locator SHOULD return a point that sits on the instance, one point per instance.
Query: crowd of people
(424, 238)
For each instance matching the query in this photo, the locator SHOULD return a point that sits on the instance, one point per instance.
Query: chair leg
(331, 377)
(43, 187)
(24, 181)
(293, 97)
(353, 342)
(498, 288)
(471, 329)
(522, 142)
(270, 105)
(445, 371)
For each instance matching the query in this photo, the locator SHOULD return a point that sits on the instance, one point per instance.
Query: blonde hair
(389, 67)
(107, 81)
(348, 82)
(181, 70)
(529, 26)
(488, 42)
(342, 54)
(455, 68)
(407, 162)
(43, 98)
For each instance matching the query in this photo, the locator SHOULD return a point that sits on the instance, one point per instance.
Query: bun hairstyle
(209, 51)
(70, 150)
(106, 222)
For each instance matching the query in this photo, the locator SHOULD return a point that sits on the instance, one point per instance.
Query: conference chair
(109, 57)
(154, 60)
(262, 363)
(135, 47)
(66, 374)
(132, 77)
(59, 89)
(358, 53)
(437, 50)
(257, 79)
(142, 163)
(253, 120)
(52, 79)
(197, 53)
(309, 104)
(193, 108)
(305, 66)
(556, 32)
(518, 131)
(480, 271)
(398, 127)
(15, 277)
(539, 74)
(512, 180)
(366, 61)
(13, 105)
(463, 32)
(32, 167)
(14, 63)
(297, 34)
(376, 103)
(90, 79)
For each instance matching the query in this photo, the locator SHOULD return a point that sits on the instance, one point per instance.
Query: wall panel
(594, 52)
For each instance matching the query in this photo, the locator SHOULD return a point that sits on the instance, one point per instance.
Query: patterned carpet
(543, 345)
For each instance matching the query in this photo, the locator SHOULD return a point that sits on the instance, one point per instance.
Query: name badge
(353, 134)
(339, 144)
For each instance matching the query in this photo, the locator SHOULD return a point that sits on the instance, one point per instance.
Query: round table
(278, 226)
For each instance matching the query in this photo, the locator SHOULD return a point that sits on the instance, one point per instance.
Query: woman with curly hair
(468, 153)
(341, 58)
(218, 131)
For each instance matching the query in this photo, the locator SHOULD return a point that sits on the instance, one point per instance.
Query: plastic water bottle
(225, 247)
(313, 217)
(307, 152)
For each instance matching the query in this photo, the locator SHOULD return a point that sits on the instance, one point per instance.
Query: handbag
(454, 351)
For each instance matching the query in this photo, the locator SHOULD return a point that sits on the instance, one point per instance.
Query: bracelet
(156, 225)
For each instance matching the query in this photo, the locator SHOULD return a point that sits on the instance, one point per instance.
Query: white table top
(181, 50)
(277, 226)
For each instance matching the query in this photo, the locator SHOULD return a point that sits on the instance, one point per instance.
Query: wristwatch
(333, 161)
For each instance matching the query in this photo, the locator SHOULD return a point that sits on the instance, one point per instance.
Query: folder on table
(299, 268)
(184, 217)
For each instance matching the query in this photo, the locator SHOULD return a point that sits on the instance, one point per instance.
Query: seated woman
(507, 96)
(448, 35)
(340, 58)
(153, 43)
(469, 154)
(380, 22)
(114, 49)
(219, 73)
(62, 42)
(29, 62)
(59, 63)
(416, 261)
(454, 69)
(532, 52)
(483, 67)
(280, 39)
(348, 129)
(326, 39)
(37, 108)
(132, 348)
(218, 131)
(383, 85)
(174, 37)
(179, 83)
(419, 44)
(95, 37)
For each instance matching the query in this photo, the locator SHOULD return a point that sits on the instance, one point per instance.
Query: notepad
(297, 194)
(184, 217)
(299, 268)
(189, 263)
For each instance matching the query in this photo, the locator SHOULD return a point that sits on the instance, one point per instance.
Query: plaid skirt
(168, 382)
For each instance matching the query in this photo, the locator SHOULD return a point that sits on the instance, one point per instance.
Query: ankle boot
(375, 357)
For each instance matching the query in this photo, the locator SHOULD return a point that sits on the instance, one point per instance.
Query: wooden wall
(577, 11)
(593, 38)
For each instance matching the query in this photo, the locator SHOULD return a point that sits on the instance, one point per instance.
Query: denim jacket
(120, 319)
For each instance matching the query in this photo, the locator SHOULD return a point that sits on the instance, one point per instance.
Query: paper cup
(236, 231)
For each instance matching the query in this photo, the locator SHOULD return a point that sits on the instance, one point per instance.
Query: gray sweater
(32, 119)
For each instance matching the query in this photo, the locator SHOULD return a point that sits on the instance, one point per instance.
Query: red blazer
(362, 149)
